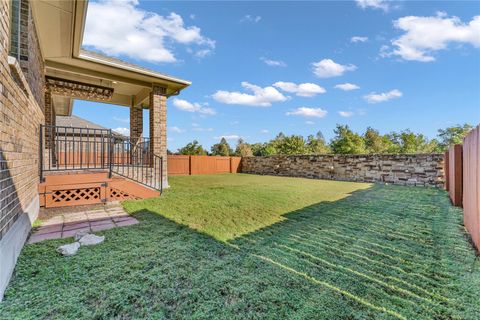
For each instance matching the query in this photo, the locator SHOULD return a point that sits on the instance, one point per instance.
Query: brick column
(136, 123)
(50, 120)
(49, 111)
(158, 126)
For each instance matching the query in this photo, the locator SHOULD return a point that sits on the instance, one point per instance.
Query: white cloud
(228, 137)
(122, 131)
(200, 129)
(125, 120)
(308, 112)
(250, 18)
(346, 114)
(273, 63)
(203, 53)
(327, 68)
(264, 131)
(176, 129)
(426, 35)
(122, 28)
(301, 90)
(309, 122)
(193, 107)
(347, 86)
(382, 97)
(261, 97)
(358, 39)
(374, 4)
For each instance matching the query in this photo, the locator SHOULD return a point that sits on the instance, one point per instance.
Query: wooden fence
(455, 175)
(471, 184)
(192, 165)
(463, 181)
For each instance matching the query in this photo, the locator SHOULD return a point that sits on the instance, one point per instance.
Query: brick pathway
(66, 222)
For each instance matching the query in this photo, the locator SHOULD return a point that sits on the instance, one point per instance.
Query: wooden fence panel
(191, 165)
(202, 165)
(178, 165)
(455, 175)
(222, 165)
(471, 184)
(235, 164)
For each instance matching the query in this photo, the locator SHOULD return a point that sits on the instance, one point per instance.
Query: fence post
(455, 175)
(110, 153)
(189, 165)
(446, 169)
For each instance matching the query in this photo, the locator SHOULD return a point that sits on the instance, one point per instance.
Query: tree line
(345, 141)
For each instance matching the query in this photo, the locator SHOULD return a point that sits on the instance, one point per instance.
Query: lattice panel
(119, 195)
(77, 195)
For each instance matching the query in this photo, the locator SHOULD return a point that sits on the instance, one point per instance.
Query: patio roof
(60, 26)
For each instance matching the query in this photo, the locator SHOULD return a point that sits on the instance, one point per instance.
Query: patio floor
(65, 222)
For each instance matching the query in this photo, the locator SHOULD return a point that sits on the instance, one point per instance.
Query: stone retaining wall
(412, 169)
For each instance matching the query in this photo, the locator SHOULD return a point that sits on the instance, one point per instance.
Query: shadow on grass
(384, 252)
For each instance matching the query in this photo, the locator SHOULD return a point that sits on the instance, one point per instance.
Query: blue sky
(258, 68)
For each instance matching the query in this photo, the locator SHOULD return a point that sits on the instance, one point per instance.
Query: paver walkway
(66, 222)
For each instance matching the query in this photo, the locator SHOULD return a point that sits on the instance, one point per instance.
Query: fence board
(235, 164)
(471, 184)
(178, 165)
(192, 165)
(455, 183)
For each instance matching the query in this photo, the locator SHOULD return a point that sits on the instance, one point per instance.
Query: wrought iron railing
(137, 162)
(65, 148)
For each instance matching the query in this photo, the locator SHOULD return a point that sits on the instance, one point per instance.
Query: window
(19, 29)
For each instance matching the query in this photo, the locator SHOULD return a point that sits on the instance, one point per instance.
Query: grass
(383, 252)
(226, 206)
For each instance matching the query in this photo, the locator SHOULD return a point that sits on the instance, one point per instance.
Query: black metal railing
(65, 148)
(137, 162)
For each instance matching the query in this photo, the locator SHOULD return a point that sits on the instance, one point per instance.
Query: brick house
(43, 69)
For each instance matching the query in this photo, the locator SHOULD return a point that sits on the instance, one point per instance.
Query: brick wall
(415, 169)
(20, 118)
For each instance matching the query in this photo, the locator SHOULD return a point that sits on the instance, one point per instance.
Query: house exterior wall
(21, 114)
(411, 169)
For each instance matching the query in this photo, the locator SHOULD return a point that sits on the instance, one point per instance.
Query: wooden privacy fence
(462, 168)
(471, 184)
(191, 165)
(454, 174)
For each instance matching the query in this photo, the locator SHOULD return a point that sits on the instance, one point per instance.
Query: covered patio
(73, 73)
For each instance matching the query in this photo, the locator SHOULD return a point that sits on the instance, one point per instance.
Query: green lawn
(226, 206)
(251, 247)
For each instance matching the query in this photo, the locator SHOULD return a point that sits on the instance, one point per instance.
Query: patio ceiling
(60, 26)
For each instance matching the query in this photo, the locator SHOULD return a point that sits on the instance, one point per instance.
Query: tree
(263, 149)
(193, 149)
(289, 145)
(412, 143)
(243, 149)
(346, 141)
(316, 144)
(222, 148)
(452, 135)
(376, 143)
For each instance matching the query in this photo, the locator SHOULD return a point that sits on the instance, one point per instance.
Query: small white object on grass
(91, 239)
(68, 249)
(79, 235)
